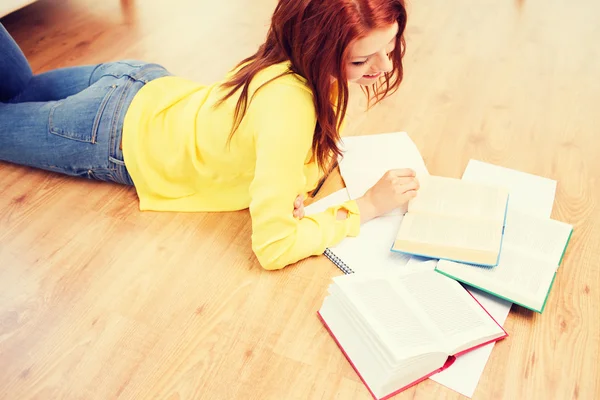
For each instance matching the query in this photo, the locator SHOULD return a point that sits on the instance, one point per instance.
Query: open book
(533, 249)
(398, 328)
(455, 220)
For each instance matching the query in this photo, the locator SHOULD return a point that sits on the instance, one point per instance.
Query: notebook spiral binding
(338, 262)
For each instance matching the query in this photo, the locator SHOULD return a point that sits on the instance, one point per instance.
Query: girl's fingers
(404, 180)
(403, 172)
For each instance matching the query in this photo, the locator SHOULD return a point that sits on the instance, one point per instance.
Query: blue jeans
(69, 120)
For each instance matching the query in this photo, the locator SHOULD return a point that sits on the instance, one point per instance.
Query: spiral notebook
(338, 262)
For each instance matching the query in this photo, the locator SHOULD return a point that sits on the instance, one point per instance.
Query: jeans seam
(116, 117)
(138, 75)
(92, 74)
(101, 112)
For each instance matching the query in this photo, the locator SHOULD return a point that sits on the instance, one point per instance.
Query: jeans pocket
(77, 117)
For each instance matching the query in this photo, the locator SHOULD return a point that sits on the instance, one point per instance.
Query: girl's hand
(393, 190)
(299, 207)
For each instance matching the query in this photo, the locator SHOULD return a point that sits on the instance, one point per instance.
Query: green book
(532, 250)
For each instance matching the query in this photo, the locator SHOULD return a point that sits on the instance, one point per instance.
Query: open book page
(464, 374)
(367, 158)
(473, 241)
(462, 322)
(530, 256)
(454, 197)
(530, 194)
(355, 345)
(519, 277)
(542, 238)
(395, 319)
(394, 359)
(374, 342)
(378, 377)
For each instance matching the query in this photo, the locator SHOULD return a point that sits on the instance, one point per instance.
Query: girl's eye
(358, 63)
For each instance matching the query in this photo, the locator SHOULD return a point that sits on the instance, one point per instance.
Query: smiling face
(369, 56)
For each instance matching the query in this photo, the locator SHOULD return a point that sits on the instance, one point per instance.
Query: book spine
(338, 262)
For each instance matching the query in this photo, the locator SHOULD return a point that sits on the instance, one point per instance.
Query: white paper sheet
(371, 251)
(531, 194)
(367, 158)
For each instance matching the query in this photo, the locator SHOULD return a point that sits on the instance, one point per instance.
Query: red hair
(314, 35)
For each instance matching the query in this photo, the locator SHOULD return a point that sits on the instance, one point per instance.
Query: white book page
(464, 374)
(356, 346)
(446, 231)
(459, 318)
(518, 276)
(379, 377)
(453, 197)
(374, 341)
(392, 316)
(530, 255)
(531, 194)
(542, 238)
(367, 158)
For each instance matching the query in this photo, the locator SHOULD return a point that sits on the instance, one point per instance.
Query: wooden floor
(101, 301)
